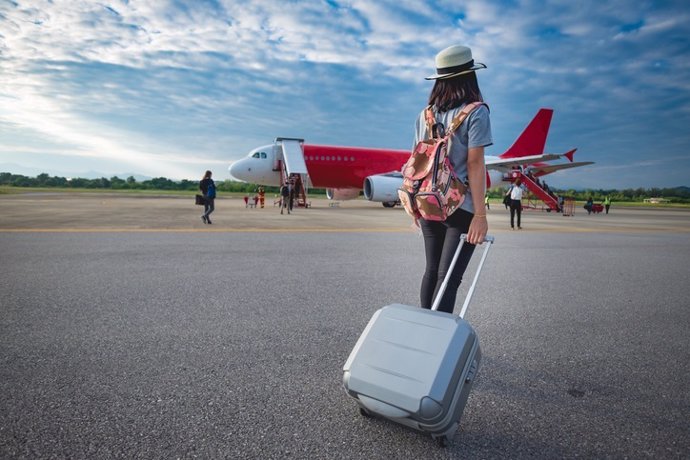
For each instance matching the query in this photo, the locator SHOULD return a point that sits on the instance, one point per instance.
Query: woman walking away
(208, 189)
(455, 87)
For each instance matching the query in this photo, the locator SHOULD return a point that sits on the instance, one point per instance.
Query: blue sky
(172, 88)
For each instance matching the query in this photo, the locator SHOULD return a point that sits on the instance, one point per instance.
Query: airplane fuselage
(345, 171)
(329, 166)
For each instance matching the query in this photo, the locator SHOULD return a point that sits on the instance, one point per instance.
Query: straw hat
(453, 61)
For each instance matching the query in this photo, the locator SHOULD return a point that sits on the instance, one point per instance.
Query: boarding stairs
(536, 190)
(293, 168)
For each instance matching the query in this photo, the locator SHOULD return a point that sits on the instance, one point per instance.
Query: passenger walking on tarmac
(292, 193)
(208, 189)
(456, 86)
(607, 203)
(589, 205)
(515, 194)
(285, 197)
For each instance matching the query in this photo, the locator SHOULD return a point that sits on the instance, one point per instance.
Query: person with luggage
(455, 87)
(515, 194)
(208, 189)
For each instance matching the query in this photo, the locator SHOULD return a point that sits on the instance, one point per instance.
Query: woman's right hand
(479, 227)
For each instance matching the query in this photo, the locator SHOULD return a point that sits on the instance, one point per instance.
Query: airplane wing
(548, 169)
(508, 163)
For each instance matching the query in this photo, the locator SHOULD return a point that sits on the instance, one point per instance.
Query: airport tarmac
(122, 212)
(130, 329)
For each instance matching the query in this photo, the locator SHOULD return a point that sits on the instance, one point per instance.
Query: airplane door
(276, 154)
(293, 156)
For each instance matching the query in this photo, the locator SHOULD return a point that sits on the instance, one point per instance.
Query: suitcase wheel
(443, 441)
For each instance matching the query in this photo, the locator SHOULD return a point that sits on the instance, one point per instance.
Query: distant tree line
(674, 195)
(130, 183)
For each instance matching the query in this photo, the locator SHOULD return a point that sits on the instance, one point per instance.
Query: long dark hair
(449, 93)
(207, 175)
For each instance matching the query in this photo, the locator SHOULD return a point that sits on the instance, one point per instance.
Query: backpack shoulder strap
(464, 113)
(430, 120)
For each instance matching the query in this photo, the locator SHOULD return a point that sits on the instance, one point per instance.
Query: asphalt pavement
(231, 345)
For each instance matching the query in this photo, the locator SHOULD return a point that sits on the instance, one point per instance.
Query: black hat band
(455, 69)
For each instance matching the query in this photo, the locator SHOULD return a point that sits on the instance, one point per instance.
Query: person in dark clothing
(293, 193)
(284, 197)
(515, 194)
(208, 189)
(589, 204)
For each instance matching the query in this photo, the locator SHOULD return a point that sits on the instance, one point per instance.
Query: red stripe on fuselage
(347, 167)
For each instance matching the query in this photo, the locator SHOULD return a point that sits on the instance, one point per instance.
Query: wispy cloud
(174, 87)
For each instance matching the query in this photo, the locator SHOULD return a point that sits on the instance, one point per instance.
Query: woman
(456, 85)
(208, 189)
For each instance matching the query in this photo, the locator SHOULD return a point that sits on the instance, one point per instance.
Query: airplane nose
(235, 170)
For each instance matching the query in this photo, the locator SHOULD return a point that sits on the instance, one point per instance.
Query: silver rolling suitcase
(417, 366)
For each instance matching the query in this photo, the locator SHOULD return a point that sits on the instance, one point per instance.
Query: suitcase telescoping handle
(489, 240)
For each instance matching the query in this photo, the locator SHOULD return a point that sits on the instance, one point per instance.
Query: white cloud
(148, 80)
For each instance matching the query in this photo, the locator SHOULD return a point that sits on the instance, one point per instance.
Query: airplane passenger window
(322, 158)
(352, 158)
(338, 157)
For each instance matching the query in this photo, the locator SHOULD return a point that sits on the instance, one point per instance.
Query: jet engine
(342, 193)
(383, 187)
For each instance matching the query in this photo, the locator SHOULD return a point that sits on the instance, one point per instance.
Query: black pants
(209, 206)
(441, 239)
(515, 207)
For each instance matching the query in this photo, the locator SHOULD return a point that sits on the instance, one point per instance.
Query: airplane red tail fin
(569, 155)
(533, 138)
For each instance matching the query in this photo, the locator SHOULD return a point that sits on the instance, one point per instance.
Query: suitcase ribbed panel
(411, 359)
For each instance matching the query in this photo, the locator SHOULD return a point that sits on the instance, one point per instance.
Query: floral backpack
(430, 188)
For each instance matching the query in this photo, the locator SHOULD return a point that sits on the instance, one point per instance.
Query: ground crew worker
(262, 195)
(607, 204)
(486, 202)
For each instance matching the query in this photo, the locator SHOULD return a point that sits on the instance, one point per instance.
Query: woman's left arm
(476, 176)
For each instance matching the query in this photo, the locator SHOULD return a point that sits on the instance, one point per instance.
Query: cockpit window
(263, 154)
(256, 155)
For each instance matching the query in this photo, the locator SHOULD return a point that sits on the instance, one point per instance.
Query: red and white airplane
(345, 171)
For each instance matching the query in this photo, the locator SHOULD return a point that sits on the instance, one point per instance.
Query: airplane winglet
(570, 155)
